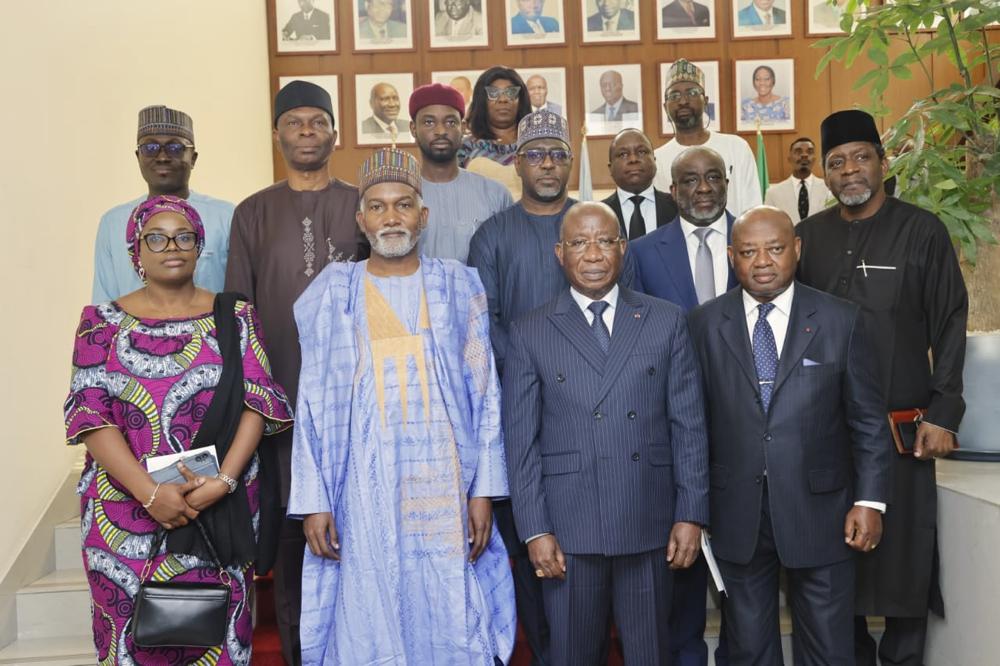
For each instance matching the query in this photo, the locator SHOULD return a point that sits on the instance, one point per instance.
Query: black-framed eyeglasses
(690, 93)
(171, 148)
(157, 242)
(536, 156)
(510, 92)
(581, 245)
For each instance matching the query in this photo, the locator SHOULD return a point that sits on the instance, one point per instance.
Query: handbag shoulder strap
(161, 534)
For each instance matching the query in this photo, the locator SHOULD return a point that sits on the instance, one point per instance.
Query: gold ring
(539, 573)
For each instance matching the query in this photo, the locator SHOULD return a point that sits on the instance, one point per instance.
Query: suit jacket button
(560, 377)
(767, 437)
(631, 415)
(597, 416)
(756, 480)
(650, 370)
(635, 457)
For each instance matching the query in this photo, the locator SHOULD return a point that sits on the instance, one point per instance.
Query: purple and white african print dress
(154, 381)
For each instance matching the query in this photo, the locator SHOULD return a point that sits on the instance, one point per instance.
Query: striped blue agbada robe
(396, 462)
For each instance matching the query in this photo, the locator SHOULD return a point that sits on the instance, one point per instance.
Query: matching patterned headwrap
(684, 71)
(147, 209)
(389, 165)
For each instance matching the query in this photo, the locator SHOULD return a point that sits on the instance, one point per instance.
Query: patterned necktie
(600, 329)
(765, 353)
(637, 225)
(767, 18)
(803, 201)
(704, 268)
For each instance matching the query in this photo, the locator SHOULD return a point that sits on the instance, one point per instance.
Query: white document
(164, 461)
(713, 566)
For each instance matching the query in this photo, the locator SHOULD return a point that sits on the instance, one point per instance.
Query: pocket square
(808, 363)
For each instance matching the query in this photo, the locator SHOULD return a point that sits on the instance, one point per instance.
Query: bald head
(764, 252)
(590, 248)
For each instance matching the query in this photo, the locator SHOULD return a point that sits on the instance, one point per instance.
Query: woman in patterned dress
(145, 369)
(499, 101)
(767, 106)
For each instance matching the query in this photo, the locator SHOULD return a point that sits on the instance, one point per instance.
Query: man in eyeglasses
(685, 102)
(166, 156)
(513, 253)
(607, 450)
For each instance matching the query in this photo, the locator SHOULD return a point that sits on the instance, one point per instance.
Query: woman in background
(766, 106)
(499, 101)
(145, 370)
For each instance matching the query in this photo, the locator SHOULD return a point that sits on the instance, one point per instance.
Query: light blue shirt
(114, 275)
(457, 208)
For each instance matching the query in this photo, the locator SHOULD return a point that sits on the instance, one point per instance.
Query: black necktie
(598, 326)
(637, 225)
(803, 200)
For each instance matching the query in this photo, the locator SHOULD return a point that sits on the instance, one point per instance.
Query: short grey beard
(395, 248)
(856, 199)
(707, 219)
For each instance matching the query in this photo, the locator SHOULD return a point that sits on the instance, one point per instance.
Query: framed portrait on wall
(382, 25)
(458, 24)
(712, 118)
(329, 83)
(823, 17)
(765, 93)
(535, 22)
(612, 98)
(546, 88)
(685, 19)
(463, 80)
(761, 19)
(305, 26)
(380, 102)
(610, 21)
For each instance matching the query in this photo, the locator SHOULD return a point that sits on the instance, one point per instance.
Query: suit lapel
(665, 212)
(734, 333)
(673, 251)
(617, 207)
(732, 282)
(570, 322)
(802, 330)
(630, 317)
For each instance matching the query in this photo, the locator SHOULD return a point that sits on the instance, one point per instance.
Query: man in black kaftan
(897, 262)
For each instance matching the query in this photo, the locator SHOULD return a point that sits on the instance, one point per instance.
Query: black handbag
(168, 614)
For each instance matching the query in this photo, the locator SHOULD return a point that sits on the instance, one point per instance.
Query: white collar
(611, 298)
(647, 194)
(721, 226)
(782, 302)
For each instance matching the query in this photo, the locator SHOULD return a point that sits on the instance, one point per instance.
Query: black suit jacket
(666, 210)
(674, 16)
(824, 440)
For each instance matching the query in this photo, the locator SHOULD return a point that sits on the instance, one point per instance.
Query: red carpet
(267, 646)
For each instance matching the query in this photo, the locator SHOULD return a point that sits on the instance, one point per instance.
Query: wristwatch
(229, 481)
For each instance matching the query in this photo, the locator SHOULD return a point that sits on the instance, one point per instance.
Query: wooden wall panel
(815, 98)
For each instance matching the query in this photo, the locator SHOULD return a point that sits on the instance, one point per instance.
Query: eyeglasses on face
(581, 245)
(172, 148)
(157, 242)
(676, 95)
(510, 92)
(535, 156)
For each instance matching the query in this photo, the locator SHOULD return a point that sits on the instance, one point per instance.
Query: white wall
(73, 76)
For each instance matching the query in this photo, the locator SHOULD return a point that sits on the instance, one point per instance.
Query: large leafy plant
(943, 149)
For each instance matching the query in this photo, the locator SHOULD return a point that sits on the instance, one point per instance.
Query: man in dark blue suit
(604, 426)
(529, 19)
(761, 13)
(799, 460)
(685, 262)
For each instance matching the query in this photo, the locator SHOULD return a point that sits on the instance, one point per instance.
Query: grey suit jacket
(824, 440)
(370, 126)
(627, 106)
(604, 453)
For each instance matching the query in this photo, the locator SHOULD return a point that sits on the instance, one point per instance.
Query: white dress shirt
(647, 207)
(611, 24)
(778, 319)
(765, 17)
(611, 298)
(611, 110)
(785, 195)
(717, 242)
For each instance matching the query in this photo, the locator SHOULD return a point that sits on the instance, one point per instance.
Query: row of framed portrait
(764, 96)
(309, 26)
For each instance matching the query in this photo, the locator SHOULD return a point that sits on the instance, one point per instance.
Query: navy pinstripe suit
(606, 454)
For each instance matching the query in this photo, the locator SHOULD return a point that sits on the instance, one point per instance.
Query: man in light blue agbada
(166, 154)
(398, 452)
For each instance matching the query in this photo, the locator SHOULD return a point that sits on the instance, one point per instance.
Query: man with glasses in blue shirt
(166, 156)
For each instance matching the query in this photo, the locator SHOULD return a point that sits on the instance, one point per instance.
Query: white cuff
(532, 538)
(878, 506)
